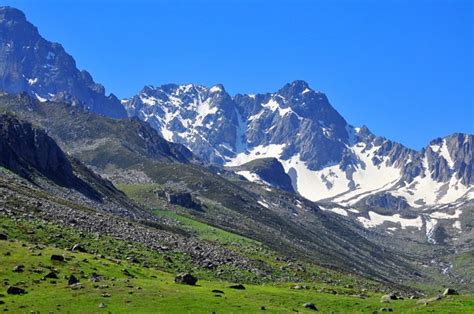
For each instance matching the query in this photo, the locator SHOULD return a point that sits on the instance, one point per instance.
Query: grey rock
(72, 280)
(57, 258)
(237, 287)
(18, 269)
(388, 297)
(310, 306)
(186, 278)
(450, 291)
(78, 248)
(51, 275)
(15, 290)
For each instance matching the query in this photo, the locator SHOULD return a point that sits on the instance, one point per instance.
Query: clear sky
(403, 68)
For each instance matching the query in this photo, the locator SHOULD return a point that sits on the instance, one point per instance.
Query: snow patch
(215, 89)
(375, 220)
(261, 151)
(441, 215)
(40, 98)
(264, 204)
(336, 210)
(457, 225)
(250, 176)
(430, 225)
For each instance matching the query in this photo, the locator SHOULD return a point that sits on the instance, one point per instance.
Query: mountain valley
(275, 191)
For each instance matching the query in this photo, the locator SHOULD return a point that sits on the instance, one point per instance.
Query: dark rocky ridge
(271, 171)
(29, 63)
(94, 139)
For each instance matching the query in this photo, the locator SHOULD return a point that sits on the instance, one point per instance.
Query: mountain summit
(31, 64)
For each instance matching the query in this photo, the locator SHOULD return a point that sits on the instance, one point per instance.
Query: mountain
(131, 153)
(326, 158)
(206, 120)
(29, 63)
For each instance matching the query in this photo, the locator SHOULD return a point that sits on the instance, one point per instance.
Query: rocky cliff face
(25, 149)
(44, 70)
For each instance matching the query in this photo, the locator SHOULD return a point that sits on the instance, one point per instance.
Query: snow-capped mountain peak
(326, 158)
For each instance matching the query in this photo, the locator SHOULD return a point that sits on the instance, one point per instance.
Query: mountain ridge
(29, 63)
(297, 126)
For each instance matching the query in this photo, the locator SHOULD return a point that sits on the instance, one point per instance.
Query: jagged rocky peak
(451, 155)
(205, 119)
(43, 69)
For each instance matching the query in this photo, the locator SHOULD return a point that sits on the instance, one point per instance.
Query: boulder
(310, 306)
(450, 291)
(57, 258)
(388, 297)
(18, 269)
(186, 278)
(3, 236)
(72, 280)
(298, 287)
(184, 199)
(78, 248)
(16, 290)
(51, 275)
(238, 287)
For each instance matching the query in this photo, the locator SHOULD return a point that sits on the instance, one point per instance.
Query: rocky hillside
(41, 183)
(107, 144)
(29, 63)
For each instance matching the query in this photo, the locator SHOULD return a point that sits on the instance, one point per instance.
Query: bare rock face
(24, 147)
(29, 63)
(183, 199)
(30, 153)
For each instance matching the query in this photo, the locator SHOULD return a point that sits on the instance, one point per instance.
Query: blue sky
(403, 68)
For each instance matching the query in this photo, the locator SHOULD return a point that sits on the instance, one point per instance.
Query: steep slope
(30, 153)
(44, 70)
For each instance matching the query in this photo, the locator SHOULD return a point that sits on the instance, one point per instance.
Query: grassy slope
(153, 290)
